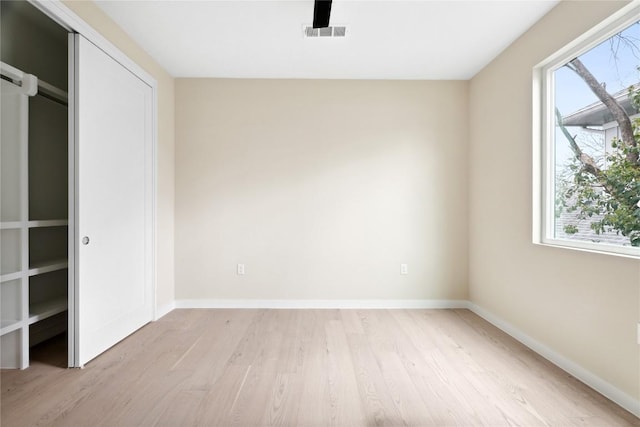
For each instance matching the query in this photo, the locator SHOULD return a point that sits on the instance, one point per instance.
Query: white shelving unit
(14, 238)
(33, 284)
(10, 326)
(48, 223)
(44, 310)
(48, 267)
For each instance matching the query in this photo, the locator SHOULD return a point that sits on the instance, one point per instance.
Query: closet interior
(34, 213)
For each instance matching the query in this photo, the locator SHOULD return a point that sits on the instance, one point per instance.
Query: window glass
(595, 166)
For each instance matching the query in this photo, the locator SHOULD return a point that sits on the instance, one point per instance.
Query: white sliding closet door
(113, 148)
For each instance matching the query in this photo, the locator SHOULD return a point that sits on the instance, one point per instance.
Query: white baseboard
(163, 310)
(595, 382)
(319, 304)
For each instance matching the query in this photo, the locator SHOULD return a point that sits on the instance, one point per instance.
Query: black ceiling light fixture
(321, 13)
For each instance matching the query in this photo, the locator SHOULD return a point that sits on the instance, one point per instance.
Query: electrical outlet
(404, 269)
(240, 269)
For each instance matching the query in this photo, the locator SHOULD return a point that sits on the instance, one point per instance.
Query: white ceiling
(390, 39)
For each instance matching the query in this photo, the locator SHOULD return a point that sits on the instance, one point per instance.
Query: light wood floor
(307, 368)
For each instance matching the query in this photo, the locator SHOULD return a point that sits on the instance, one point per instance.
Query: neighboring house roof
(597, 113)
(585, 233)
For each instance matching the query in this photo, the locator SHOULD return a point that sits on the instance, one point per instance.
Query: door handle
(85, 240)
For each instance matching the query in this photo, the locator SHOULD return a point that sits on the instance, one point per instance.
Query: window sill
(594, 248)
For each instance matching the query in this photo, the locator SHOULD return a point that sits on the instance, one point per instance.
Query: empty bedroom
(320, 213)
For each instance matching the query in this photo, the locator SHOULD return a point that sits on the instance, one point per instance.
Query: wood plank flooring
(306, 368)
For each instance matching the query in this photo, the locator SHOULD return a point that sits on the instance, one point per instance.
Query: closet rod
(45, 89)
(53, 93)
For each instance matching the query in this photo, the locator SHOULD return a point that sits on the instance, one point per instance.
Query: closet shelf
(12, 225)
(47, 267)
(10, 276)
(7, 326)
(38, 312)
(9, 225)
(48, 223)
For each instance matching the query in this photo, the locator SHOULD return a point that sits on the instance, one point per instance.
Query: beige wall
(584, 306)
(322, 188)
(88, 11)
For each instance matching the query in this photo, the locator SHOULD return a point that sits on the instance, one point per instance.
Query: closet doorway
(77, 186)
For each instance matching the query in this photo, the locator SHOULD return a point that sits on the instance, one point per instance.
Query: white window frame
(544, 134)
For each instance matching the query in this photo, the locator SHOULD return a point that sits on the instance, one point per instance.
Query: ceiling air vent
(339, 31)
(334, 31)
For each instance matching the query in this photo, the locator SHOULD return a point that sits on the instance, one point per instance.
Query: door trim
(65, 17)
